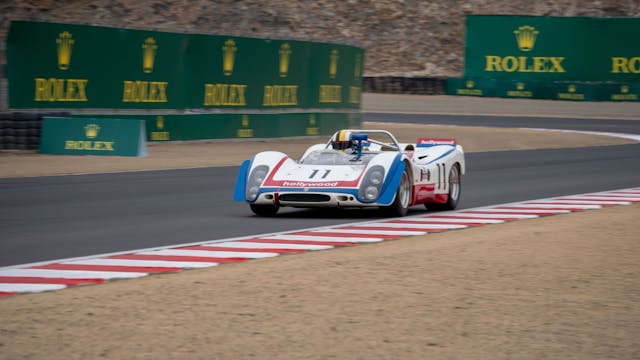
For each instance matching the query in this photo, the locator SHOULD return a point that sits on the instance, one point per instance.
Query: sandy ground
(558, 287)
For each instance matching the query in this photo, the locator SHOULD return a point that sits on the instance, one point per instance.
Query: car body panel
(324, 177)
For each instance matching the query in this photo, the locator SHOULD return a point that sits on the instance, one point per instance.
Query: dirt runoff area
(560, 287)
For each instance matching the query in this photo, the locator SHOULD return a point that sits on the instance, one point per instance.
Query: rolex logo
(333, 63)
(624, 89)
(91, 131)
(228, 56)
(160, 122)
(571, 88)
(285, 55)
(65, 43)
(526, 37)
(357, 69)
(520, 86)
(470, 84)
(149, 48)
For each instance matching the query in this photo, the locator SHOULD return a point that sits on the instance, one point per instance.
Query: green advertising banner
(92, 136)
(75, 66)
(552, 48)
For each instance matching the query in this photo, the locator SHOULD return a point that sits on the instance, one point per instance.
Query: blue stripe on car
(392, 182)
(239, 193)
(441, 156)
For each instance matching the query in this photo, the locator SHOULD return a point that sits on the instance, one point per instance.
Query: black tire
(455, 189)
(400, 205)
(264, 210)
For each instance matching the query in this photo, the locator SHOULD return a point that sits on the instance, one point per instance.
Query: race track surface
(46, 218)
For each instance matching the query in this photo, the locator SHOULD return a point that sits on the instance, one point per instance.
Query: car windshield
(336, 157)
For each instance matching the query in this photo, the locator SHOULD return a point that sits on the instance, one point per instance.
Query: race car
(356, 168)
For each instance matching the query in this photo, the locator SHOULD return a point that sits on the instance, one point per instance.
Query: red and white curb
(59, 274)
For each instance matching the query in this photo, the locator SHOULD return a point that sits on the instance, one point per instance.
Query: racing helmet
(341, 140)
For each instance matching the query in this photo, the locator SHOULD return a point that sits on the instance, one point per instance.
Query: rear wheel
(455, 188)
(400, 205)
(264, 210)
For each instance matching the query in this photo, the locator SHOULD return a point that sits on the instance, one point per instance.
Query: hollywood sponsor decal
(323, 184)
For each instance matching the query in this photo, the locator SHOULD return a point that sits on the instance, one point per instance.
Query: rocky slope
(402, 37)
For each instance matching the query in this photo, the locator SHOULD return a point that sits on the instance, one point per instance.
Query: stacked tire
(21, 130)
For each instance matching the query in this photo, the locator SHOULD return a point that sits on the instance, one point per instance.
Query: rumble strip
(59, 274)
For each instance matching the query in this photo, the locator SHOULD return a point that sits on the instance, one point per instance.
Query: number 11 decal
(315, 171)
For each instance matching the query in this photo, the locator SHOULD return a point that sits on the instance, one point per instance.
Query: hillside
(402, 37)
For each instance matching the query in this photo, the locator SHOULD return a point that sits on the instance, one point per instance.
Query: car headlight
(257, 176)
(371, 184)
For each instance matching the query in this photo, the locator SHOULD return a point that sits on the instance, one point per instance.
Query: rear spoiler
(427, 142)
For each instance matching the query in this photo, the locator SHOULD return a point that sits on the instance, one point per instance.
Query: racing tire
(264, 210)
(455, 188)
(400, 205)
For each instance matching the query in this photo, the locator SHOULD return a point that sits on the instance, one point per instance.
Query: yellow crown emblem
(285, 55)
(333, 63)
(149, 48)
(571, 88)
(160, 122)
(91, 130)
(65, 43)
(526, 37)
(624, 89)
(520, 86)
(469, 84)
(228, 56)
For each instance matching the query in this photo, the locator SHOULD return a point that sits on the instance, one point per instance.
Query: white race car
(356, 168)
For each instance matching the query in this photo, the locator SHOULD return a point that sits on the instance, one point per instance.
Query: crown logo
(312, 120)
(333, 63)
(526, 37)
(160, 122)
(149, 48)
(520, 86)
(65, 43)
(470, 84)
(624, 89)
(357, 70)
(285, 55)
(571, 88)
(228, 56)
(91, 131)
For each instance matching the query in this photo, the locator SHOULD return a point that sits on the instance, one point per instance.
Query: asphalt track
(47, 218)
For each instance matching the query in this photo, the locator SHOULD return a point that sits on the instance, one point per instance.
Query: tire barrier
(21, 130)
(404, 85)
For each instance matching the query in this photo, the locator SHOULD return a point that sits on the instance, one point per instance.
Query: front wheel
(400, 205)
(455, 187)
(264, 210)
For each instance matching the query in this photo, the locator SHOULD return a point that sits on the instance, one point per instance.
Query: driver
(341, 140)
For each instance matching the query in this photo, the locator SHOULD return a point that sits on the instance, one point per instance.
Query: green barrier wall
(552, 90)
(75, 66)
(223, 126)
